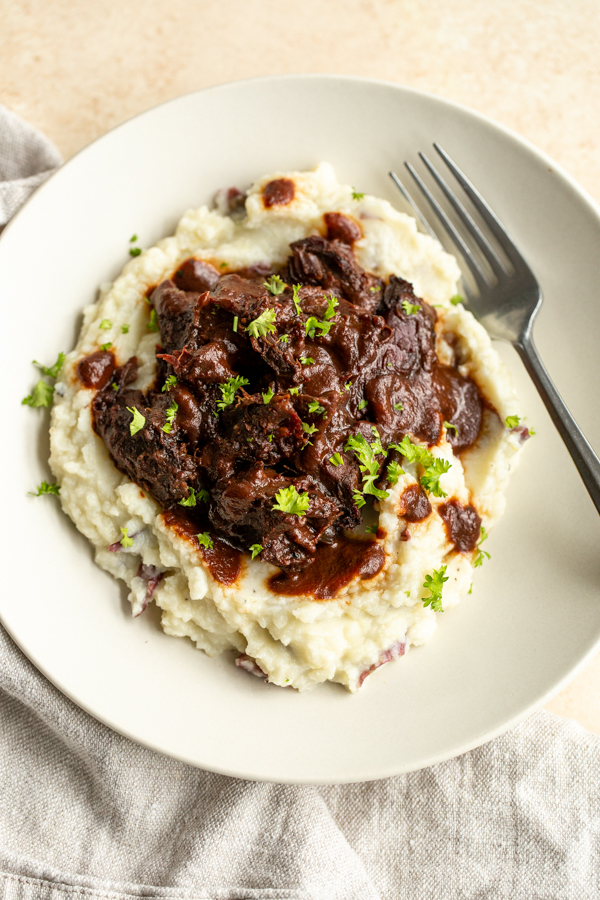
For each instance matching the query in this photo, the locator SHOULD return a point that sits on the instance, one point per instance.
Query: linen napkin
(85, 812)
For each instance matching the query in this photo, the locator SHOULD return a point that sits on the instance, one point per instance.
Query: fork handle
(581, 452)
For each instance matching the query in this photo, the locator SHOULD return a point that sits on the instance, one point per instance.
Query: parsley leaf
(284, 338)
(394, 472)
(290, 501)
(45, 488)
(228, 390)
(430, 479)
(53, 371)
(235, 323)
(356, 195)
(368, 464)
(275, 285)
(336, 460)
(312, 323)
(190, 500)
(295, 292)
(315, 407)
(332, 304)
(481, 554)
(309, 429)
(293, 391)
(358, 498)
(398, 407)
(152, 325)
(411, 309)
(449, 425)
(362, 404)
(256, 550)
(372, 529)
(512, 421)
(306, 360)
(202, 495)
(105, 324)
(125, 541)
(456, 300)
(170, 416)
(375, 289)
(434, 584)
(133, 239)
(115, 386)
(124, 329)
(106, 346)
(348, 385)
(169, 383)
(134, 251)
(41, 395)
(263, 324)
(205, 540)
(138, 421)
(268, 396)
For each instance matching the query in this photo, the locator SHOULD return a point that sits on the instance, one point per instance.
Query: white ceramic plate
(534, 616)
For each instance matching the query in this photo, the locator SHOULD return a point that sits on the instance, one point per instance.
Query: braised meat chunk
(278, 395)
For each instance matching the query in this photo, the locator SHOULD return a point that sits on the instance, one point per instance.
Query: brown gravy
(96, 370)
(463, 525)
(223, 560)
(333, 567)
(279, 192)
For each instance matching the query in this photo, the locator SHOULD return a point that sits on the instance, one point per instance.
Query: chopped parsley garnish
(275, 285)
(270, 438)
(434, 584)
(263, 324)
(358, 498)
(306, 360)
(368, 464)
(152, 325)
(53, 371)
(235, 323)
(315, 407)
(481, 554)
(105, 324)
(309, 429)
(115, 386)
(170, 416)
(138, 421)
(256, 550)
(45, 488)
(398, 407)
(41, 395)
(394, 472)
(372, 529)
(295, 292)
(456, 300)
(449, 425)
(205, 540)
(336, 460)
(288, 500)
(268, 396)
(134, 251)
(105, 347)
(293, 391)
(222, 265)
(202, 495)
(374, 289)
(125, 329)
(332, 304)
(284, 338)
(312, 323)
(411, 309)
(133, 239)
(191, 498)
(357, 195)
(169, 383)
(125, 541)
(362, 404)
(348, 385)
(434, 466)
(228, 390)
(512, 421)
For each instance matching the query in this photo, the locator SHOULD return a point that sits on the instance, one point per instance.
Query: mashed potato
(292, 640)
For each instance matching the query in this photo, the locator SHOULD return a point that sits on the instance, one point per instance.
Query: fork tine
(471, 226)
(413, 205)
(455, 236)
(494, 224)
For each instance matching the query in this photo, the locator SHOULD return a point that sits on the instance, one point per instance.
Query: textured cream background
(75, 68)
